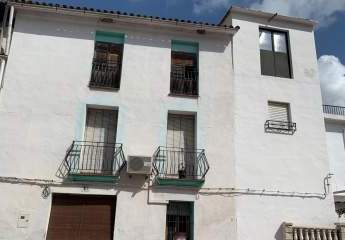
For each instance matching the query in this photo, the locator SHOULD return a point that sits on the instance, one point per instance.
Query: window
(107, 61)
(184, 68)
(97, 157)
(98, 149)
(279, 111)
(180, 163)
(279, 118)
(181, 131)
(340, 207)
(179, 221)
(274, 53)
(181, 147)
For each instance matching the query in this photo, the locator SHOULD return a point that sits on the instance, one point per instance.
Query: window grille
(179, 221)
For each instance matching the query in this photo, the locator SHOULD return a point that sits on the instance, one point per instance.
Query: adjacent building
(123, 126)
(335, 130)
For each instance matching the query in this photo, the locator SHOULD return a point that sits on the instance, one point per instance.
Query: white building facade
(335, 129)
(122, 126)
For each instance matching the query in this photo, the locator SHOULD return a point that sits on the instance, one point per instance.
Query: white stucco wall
(292, 163)
(43, 106)
(336, 152)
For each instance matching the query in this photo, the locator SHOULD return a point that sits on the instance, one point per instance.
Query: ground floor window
(179, 221)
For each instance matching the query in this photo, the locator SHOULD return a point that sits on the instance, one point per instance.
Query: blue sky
(330, 39)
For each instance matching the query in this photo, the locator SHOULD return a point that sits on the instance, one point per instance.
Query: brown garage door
(81, 217)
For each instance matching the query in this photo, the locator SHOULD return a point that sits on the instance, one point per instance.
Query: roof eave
(267, 15)
(178, 25)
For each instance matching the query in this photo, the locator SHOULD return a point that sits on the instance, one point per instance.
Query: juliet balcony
(180, 167)
(282, 127)
(105, 74)
(184, 80)
(94, 161)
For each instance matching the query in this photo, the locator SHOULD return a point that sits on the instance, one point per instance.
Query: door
(181, 145)
(81, 217)
(100, 136)
(179, 221)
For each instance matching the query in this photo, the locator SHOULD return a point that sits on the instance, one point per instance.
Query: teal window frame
(184, 46)
(110, 37)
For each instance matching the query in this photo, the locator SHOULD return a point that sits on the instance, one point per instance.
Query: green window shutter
(182, 46)
(110, 37)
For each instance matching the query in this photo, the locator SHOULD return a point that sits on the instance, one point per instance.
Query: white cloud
(320, 10)
(332, 77)
(200, 6)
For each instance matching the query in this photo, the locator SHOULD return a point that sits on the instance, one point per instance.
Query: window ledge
(183, 95)
(273, 76)
(97, 88)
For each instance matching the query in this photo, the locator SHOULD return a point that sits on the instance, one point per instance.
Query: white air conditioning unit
(139, 165)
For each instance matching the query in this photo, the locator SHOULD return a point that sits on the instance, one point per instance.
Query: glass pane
(267, 63)
(280, 42)
(265, 40)
(282, 65)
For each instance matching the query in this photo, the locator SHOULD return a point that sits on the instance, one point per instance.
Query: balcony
(105, 74)
(281, 127)
(334, 110)
(293, 232)
(94, 161)
(180, 167)
(184, 80)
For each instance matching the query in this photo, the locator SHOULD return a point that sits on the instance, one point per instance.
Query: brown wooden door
(79, 217)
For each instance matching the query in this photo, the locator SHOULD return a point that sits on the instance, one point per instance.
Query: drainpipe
(2, 70)
(3, 59)
(10, 26)
(4, 20)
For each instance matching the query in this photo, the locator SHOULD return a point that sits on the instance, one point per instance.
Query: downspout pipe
(3, 27)
(3, 60)
(2, 70)
(10, 26)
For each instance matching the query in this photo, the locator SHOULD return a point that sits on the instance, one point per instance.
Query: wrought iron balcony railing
(94, 159)
(184, 80)
(179, 163)
(335, 110)
(105, 74)
(280, 127)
